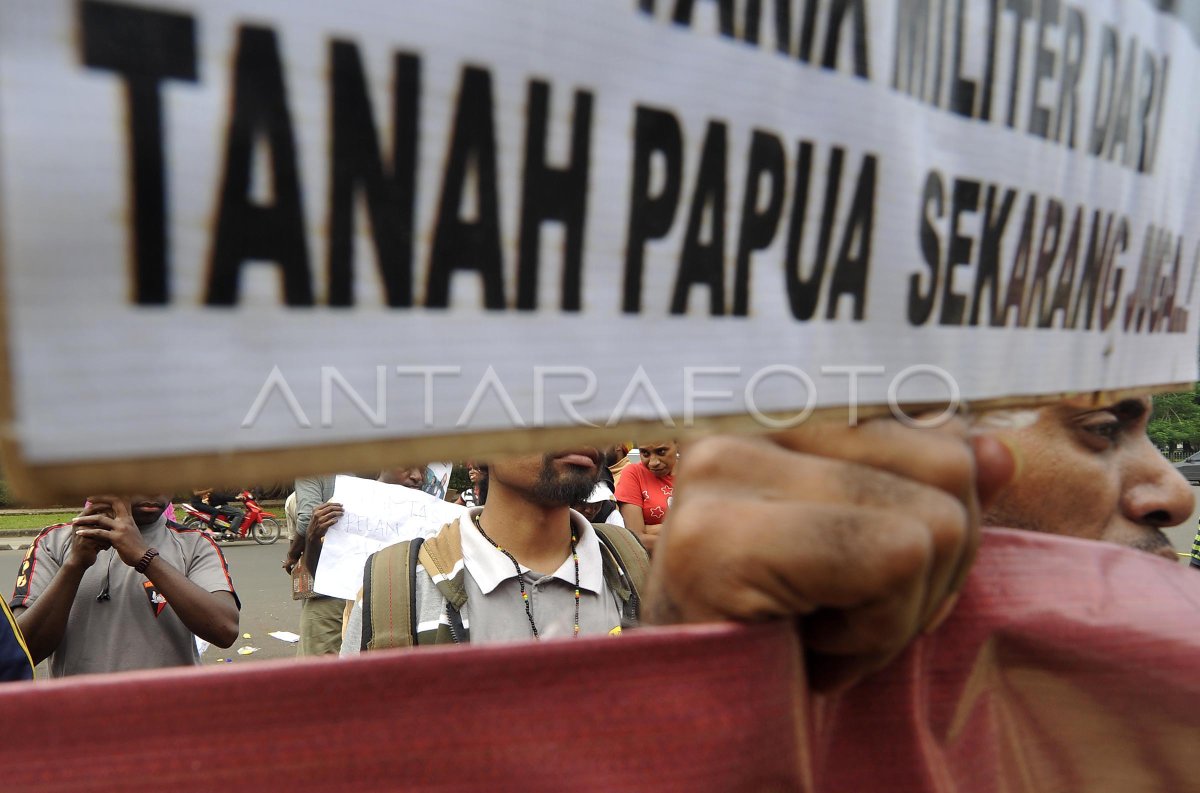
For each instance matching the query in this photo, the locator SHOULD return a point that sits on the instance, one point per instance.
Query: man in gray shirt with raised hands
(121, 587)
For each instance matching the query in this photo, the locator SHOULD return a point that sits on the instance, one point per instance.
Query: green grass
(24, 524)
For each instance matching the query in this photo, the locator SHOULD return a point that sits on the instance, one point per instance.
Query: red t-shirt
(642, 488)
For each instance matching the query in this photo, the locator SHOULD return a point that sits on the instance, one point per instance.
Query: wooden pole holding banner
(60, 483)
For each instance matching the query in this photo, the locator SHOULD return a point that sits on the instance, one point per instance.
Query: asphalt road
(267, 605)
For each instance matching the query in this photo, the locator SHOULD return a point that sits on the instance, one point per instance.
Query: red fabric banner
(1066, 666)
(697, 709)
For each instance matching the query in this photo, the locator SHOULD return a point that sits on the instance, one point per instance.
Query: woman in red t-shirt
(645, 490)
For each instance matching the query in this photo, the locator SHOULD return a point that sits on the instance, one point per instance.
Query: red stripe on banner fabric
(1067, 666)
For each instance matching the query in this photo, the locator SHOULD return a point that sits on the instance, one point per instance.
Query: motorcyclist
(216, 503)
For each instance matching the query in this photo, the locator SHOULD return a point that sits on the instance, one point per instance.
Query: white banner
(245, 225)
(375, 515)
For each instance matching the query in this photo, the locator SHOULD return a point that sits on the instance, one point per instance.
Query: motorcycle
(258, 524)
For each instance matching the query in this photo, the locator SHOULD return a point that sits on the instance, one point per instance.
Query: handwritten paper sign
(375, 515)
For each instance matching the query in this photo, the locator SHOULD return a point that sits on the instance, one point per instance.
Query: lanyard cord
(521, 578)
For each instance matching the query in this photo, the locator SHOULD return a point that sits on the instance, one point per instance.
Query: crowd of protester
(889, 512)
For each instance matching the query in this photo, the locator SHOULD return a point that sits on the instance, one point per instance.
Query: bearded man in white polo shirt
(524, 566)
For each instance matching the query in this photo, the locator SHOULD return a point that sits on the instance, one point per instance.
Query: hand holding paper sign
(367, 515)
(868, 532)
(324, 516)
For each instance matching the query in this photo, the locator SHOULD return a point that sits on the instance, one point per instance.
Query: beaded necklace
(521, 577)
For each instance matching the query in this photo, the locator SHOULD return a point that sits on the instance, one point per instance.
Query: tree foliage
(458, 478)
(1177, 420)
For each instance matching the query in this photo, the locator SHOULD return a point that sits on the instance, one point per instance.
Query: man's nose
(1155, 493)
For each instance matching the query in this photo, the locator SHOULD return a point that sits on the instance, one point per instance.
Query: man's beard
(555, 489)
(143, 519)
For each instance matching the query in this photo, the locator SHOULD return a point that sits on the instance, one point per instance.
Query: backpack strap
(632, 560)
(442, 558)
(389, 597)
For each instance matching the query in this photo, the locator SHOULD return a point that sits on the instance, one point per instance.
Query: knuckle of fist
(707, 458)
(746, 603)
(953, 467)
(687, 520)
(688, 527)
(907, 556)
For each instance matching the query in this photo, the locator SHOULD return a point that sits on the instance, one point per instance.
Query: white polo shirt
(495, 611)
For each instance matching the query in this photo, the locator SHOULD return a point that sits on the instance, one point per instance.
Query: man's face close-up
(408, 477)
(1092, 472)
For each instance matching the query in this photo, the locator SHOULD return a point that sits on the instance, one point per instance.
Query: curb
(23, 543)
